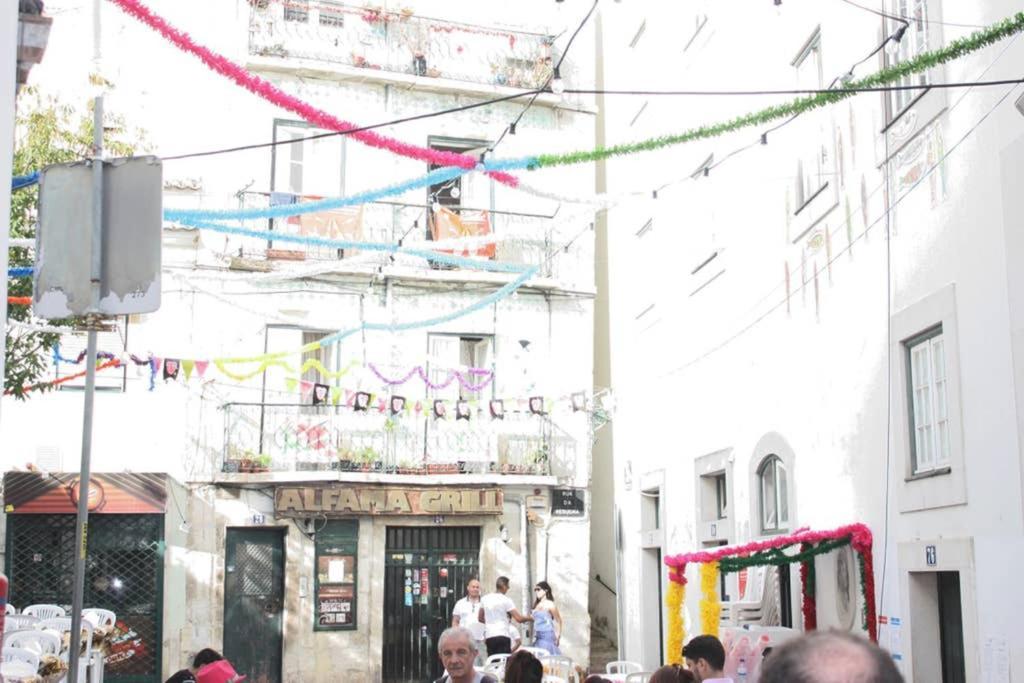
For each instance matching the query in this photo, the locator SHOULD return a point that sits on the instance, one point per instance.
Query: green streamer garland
(924, 61)
(776, 557)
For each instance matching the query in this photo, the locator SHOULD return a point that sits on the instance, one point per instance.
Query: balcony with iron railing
(399, 42)
(559, 246)
(294, 438)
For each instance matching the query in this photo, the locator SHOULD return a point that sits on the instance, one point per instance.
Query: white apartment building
(778, 363)
(323, 542)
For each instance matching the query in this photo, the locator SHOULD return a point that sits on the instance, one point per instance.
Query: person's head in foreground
(705, 658)
(457, 651)
(829, 657)
(523, 667)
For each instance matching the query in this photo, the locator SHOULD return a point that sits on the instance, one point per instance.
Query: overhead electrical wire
(555, 73)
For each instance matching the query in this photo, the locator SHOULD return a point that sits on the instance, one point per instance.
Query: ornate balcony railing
(399, 42)
(525, 239)
(293, 437)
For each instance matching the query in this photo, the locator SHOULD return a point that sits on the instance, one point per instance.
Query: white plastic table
(15, 671)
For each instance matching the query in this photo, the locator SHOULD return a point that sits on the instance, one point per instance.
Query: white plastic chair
(622, 666)
(559, 666)
(100, 617)
(20, 654)
(19, 621)
(537, 652)
(10, 609)
(495, 666)
(44, 611)
(639, 677)
(40, 642)
(497, 659)
(63, 625)
(17, 671)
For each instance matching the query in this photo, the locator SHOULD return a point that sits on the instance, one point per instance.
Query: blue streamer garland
(486, 301)
(20, 181)
(386, 247)
(188, 216)
(25, 271)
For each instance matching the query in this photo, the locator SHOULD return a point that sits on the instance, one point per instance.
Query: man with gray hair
(829, 657)
(457, 650)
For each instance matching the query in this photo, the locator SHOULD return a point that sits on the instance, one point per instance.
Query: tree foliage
(48, 132)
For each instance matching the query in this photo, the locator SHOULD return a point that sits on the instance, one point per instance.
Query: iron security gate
(425, 574)
(124, 573)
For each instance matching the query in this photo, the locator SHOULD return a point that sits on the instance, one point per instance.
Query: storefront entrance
(124, 569)
(254, 601)
(426, 570)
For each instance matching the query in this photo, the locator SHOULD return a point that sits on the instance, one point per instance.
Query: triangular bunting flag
(291, 384)
(188, 366)
(201, 366)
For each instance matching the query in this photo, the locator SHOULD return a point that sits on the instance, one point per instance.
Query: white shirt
(496, 607)
(468, 614)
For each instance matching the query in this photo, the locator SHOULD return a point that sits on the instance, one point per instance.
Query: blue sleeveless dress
(544, 631)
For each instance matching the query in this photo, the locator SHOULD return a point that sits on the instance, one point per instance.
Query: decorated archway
(769, 552)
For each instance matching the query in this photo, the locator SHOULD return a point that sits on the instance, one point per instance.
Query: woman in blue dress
(547, 621)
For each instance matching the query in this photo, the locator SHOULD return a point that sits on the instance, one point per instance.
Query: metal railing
(519, 238)
(399, 42)
(297, 437)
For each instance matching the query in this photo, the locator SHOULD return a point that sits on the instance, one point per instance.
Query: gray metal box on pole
(132, 221)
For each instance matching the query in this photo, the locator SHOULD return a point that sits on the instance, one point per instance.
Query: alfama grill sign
(345, 501)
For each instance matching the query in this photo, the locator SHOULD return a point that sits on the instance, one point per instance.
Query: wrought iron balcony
(294, 437)
(398, 42)
(518, 238)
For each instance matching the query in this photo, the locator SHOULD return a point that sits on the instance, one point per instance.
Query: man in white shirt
(495, 611)
(705, 658)
(465, 615)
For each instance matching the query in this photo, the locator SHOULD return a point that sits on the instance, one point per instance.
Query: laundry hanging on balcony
(448, 225)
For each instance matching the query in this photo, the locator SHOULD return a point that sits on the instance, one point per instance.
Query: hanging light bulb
(892, 45)
(436, 206)
(557, 84)
(456, 192)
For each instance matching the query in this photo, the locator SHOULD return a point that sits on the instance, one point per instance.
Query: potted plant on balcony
(368, 457)
(261, 463)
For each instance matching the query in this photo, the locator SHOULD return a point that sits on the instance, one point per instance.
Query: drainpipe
(524, 544)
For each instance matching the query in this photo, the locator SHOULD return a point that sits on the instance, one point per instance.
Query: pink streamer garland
(275, 95)
(860, 539)
(452, 376)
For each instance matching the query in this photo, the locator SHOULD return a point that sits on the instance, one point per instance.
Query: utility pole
(8, 69)
(92, 322)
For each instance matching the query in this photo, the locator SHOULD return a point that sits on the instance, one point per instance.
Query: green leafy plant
(47, 132)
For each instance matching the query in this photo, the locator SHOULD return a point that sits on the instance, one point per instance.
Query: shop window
(773, 495)
(927, 402)
(337, 552)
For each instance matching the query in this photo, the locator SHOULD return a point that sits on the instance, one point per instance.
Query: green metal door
(253, 602)
(425, 573)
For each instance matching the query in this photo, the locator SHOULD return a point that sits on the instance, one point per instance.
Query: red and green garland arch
(769, 552)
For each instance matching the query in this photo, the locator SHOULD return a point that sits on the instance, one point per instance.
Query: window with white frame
(307, 166)
(929, 410)
(449, 352)
(914, 41)
(296, 10)
(814, 158)
(332, 14)
(773, 495)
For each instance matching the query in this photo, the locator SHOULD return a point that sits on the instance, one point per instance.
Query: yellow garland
(710, 607)
(675, 599)
(242, 377)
